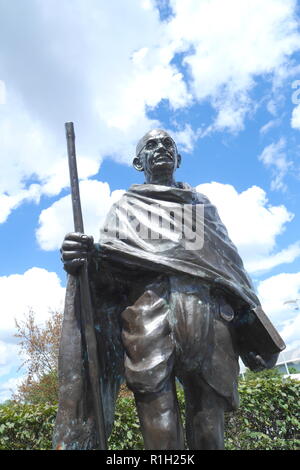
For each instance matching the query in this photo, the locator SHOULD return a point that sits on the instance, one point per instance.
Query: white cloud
(274, 156)
(275, 291)
(280, 298)
(255, 37)
(287, 255)
(8, 387)
(10, 202)
(253, 224)
(271, 124)
(9, 358)
(36, 289)
(272, 106)
(56, 221)
(185, 138)
(291, 332)
(64, 61)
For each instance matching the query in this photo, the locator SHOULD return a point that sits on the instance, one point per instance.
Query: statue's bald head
(154, 133)
(157, 157)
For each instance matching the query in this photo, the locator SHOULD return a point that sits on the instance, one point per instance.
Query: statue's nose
(160, 146)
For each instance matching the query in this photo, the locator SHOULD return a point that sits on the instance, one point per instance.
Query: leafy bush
(269, 415)
(24, 427)
(126, 433)
(267, 419)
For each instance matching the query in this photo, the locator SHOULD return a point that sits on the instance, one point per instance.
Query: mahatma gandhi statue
(172, 302)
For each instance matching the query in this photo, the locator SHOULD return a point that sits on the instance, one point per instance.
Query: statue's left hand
(256, 363)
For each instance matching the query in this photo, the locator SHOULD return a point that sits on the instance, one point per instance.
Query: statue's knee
(148, 378)
(149, 349)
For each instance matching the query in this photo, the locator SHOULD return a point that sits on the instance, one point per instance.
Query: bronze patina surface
(171, 299)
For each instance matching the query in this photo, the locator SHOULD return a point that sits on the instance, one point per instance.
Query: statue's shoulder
(196, 196)
(200, 197)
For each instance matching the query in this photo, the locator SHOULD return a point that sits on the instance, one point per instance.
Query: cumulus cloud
(185, 138)
(287, 255)
(274, 156)
(280, 298)
(8, 387)
(36, 289)
(277, 291)
(63, 61)
(12, 201)
(9, 358)
(255, 37)
(253, 224)
(291, 333)
(56, 221)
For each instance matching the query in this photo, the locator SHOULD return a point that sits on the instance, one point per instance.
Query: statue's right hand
(75, 250)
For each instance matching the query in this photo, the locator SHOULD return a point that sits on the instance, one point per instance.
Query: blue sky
(222, 77)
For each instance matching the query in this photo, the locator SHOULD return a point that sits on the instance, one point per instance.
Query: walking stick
(87, 318)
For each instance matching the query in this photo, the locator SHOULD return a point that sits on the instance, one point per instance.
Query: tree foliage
(40, 346)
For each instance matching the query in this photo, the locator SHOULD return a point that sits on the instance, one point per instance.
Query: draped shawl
(175, 229)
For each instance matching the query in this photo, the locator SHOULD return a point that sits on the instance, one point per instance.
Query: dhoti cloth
(179, 326)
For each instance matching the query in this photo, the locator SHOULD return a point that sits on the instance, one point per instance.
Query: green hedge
(25, 427)
(267, 419)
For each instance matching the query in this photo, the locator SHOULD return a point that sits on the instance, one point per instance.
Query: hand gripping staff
(87, 318)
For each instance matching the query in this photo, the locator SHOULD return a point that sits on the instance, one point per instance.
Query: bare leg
(204, 415)
(160, 419)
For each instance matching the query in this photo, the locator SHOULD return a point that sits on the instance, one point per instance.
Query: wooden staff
(87, 317)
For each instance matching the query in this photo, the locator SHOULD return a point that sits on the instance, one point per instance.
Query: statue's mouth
(163, 157)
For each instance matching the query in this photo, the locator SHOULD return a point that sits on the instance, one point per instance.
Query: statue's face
(158, 154)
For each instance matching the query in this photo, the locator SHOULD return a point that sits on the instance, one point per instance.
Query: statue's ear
(137, 164)
(178, 160)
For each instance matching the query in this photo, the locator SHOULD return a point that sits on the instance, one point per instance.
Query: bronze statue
(171, 300)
